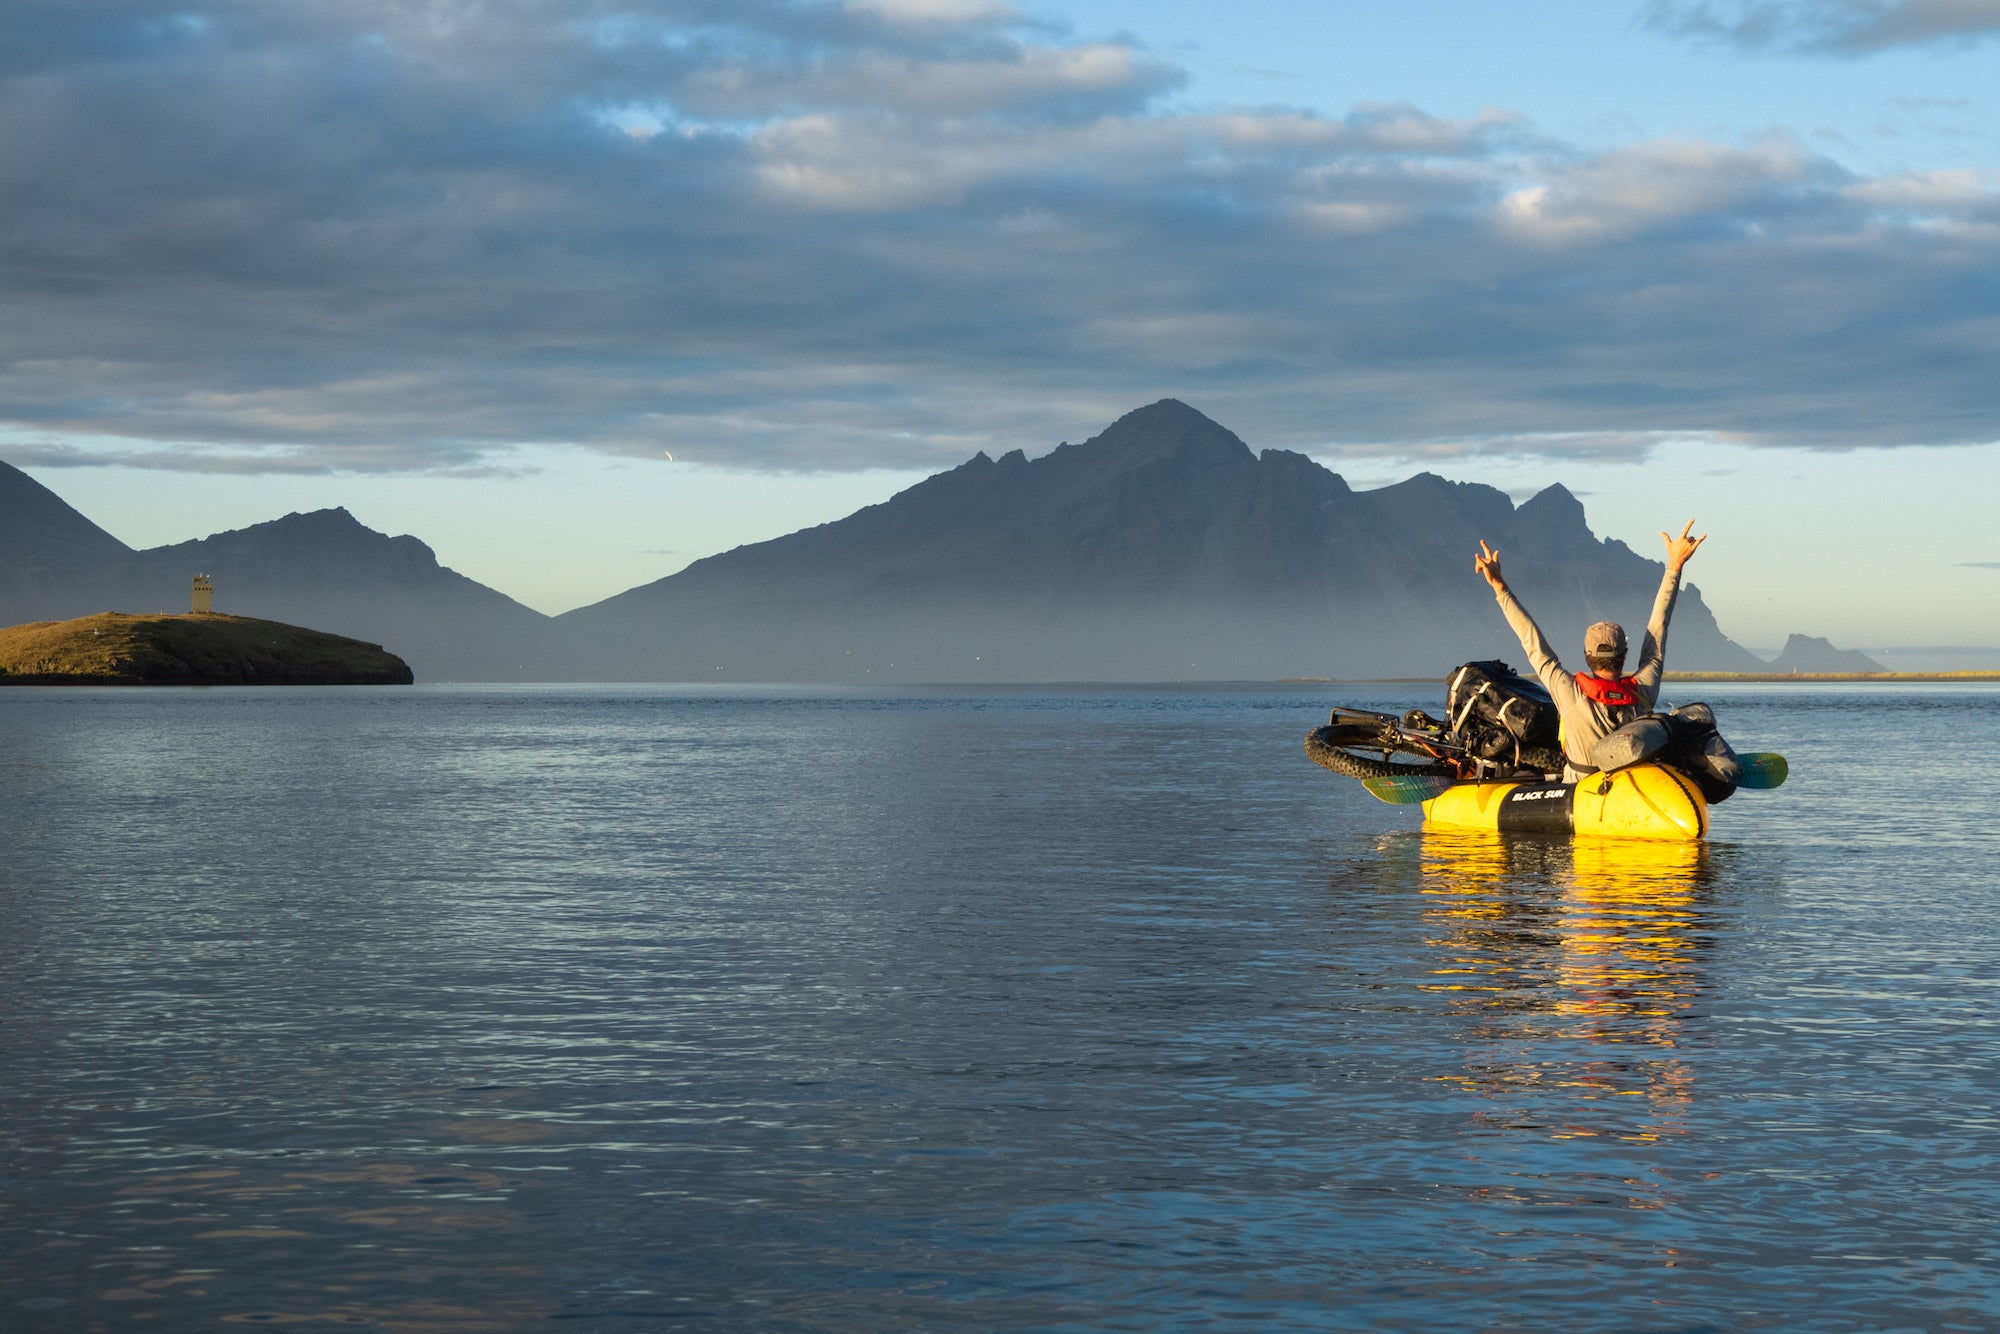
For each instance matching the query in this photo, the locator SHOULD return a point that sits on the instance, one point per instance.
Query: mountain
(1809, 653)
(44, 544)
(324, 570)
(1162, 549)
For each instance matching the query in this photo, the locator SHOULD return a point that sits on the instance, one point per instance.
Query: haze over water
(643, 1007)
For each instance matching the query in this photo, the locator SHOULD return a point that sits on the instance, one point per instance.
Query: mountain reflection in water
(1573, 967)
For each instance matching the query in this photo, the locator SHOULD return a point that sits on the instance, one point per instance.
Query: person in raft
(1595, 703)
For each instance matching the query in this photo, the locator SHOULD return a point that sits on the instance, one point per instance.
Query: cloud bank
(782, 234)
(1829, 27)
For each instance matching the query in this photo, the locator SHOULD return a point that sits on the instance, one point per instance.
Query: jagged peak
(1170, 412)
(1555, 493)
(326, 522)
(1169, 427)
(1553, 506)
(1430, 482)
(1166, 409)
(335, 514)
(332, 524)
(1290, 463)
(1812, 653)
(1163, 429)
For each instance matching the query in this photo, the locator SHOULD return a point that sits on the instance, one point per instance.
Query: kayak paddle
(1763, 769)
(1407, 789)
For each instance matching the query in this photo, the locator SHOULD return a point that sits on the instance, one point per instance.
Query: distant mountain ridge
(1164, 548)
(1810, 653)
(323, 570)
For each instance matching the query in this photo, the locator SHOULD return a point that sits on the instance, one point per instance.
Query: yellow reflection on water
(1572, 968)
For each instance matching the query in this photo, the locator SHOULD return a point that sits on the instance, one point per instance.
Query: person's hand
(1487, 562)
(1679, 549)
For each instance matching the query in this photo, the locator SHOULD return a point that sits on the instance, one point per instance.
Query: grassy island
(207, 650)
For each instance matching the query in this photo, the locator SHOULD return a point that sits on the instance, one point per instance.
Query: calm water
(462, 1009)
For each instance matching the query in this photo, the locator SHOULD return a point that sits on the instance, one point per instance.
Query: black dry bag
(1503, 716)
(1686, 739)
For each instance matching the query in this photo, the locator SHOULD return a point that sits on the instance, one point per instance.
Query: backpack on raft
(1503, 716)
(1685, 739)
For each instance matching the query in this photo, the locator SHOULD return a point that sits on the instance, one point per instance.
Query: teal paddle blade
(1763, 769)
(1407, 789)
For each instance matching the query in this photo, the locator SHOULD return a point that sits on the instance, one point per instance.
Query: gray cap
(1604, 640)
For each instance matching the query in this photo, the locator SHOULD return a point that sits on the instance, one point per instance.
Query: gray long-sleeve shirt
(1585, 722)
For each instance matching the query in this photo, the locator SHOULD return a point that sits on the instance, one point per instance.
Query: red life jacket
(1622, 693)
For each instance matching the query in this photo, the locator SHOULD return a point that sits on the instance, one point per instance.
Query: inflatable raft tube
(1644, 801)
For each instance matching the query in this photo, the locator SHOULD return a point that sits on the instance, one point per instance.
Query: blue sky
(473, 270)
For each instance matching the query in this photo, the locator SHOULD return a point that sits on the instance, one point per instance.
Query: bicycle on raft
(1362, 743)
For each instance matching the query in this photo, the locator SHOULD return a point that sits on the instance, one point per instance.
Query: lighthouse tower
(204, 595)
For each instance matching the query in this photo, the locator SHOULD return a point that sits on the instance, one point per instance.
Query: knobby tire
(1335, 748)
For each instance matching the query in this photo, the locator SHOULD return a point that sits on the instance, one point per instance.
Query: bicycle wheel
(1359, 752)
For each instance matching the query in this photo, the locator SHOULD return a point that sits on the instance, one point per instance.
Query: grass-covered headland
(210, 650)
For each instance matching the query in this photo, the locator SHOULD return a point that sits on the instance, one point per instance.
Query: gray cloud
(1979, 565)
(1828, 27)
(384, 236)
(252, 461)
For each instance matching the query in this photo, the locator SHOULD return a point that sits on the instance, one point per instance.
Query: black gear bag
(1503, 716)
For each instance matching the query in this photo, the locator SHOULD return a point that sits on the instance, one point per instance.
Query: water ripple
(471, 1009)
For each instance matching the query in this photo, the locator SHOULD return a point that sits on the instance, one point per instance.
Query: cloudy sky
(473, 268)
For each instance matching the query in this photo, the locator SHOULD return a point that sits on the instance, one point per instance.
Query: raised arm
(1541, 658)
(1653, 649)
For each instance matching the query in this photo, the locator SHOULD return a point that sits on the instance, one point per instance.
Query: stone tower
(204, 595)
